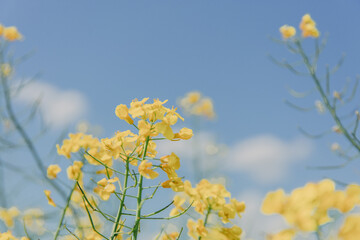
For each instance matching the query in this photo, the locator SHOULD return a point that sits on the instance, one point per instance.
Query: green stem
(206, 219)
(121, 206)
(26, 138)
(64, 212)
(325, 98)
(139, 196)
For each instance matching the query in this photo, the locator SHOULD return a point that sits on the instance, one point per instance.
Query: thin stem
(206, 218)
(139, 196)
(26, 138)
(331, 109)
(115, 231)
(64, 211)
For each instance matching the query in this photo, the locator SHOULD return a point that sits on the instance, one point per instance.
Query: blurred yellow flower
(74, 172)
(8, 215)
(1, 29)
(287, 31)
(53, 170)
(351, 228)
(308, 27)
(11, 34)
(50, 201)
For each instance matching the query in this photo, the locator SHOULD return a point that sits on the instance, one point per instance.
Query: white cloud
(267, 158)
(58, 107)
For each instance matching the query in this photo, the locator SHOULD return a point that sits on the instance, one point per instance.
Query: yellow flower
(122, 112)
(178, 202)
(74, 172)
(204, 108)
(8, 215)
(105, 188)
(146, 171)
(53, 170)
(50, 201)
(351, 228)
(287, 31)
(274, 202)
(1, 29)
(185, 134)
(172, 161)
(12, 34)
(308, 27)
(6, 69)
(196, 229)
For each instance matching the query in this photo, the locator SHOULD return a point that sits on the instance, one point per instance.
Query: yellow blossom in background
(1, 29)
(308, 27)
(146, 171)
(34, 220)
(6, 69)
(193, 103)
(105, 188)
(11, 34)
(350, 230)
(205, 108)
(287, 31)
(306, 208)
(52, 171)
(196, 229)
(50, 201)
(8, 215)
(178, 202)
(74, 172)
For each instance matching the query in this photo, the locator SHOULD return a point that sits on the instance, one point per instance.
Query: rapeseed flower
(8, 215)
(74, 171)
(287, 31)
(105, 188)
(308, 27)
(50, 200)
(11, 34)
(146, 171)
(52, 171)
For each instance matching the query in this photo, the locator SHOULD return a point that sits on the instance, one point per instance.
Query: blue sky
(113, 51)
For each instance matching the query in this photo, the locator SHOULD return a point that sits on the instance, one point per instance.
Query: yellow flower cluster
(10, 33)
(307, 208)
(193, 103)
(210, 198)
(153, 119)
(307, 26)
